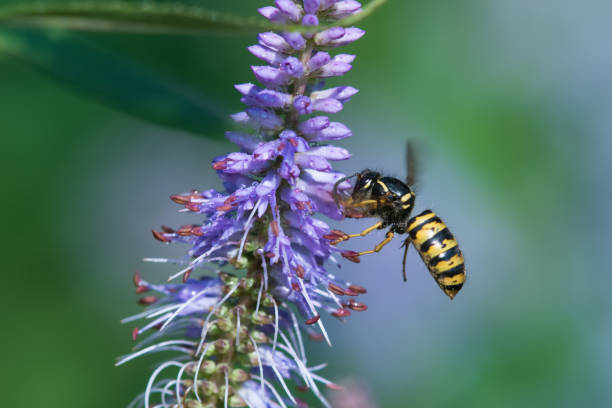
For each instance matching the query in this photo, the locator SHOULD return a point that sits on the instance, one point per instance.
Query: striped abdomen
(439, 250)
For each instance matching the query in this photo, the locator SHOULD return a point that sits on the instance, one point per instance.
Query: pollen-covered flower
(237, 338)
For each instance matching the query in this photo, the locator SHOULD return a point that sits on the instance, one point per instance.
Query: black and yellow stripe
(439, 250)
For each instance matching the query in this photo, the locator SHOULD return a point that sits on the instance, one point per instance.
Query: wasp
(392, 201)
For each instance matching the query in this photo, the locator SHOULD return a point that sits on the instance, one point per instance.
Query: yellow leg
(380, 246)
(361, 234)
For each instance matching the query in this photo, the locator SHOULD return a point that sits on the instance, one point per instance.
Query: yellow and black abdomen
(439, 250)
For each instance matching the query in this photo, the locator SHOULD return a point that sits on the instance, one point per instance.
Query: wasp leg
(407, 245)
(380, 246)
(361, 234)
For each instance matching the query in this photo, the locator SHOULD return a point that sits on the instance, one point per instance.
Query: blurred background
(510, 106)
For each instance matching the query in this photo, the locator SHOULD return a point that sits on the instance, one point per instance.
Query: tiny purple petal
(312, 162)
(346, 58)
(266, 151)
(334, 68)
(325, 4)
(329, 35)
(335, 131)
(311, 6)
(270, 76)
(247, 89)
(295, 40)
(310, 20)
(265, 118)
(266, 54)
(273, 14)
(247, 142)
(292, 66)
(341, 93)
(290, 9)
(313, 125)
(328, 105)
(287, 134)
(345, 8)
(330, 152)
(241, 117)
(273, 99)
(318, 60)
(351, 34)
(274, 41)
(268, 185)
(302, 105)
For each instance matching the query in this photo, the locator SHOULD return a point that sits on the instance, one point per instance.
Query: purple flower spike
(238, 338)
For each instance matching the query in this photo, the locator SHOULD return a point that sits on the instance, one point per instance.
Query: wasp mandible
(392, 201)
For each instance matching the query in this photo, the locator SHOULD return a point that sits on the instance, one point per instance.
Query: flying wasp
(392, 201)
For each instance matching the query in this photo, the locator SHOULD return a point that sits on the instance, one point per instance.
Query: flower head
(239, 339)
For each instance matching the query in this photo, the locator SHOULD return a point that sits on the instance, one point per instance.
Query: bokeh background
(510, 106)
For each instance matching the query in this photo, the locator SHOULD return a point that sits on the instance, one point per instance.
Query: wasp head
(366, 180)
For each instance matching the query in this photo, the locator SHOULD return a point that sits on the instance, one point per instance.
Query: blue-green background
(510, 105)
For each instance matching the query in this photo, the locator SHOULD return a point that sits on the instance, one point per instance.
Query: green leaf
(147, 17)
(115, 81)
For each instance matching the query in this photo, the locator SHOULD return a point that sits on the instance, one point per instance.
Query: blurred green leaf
(117, 82)
(146, 17)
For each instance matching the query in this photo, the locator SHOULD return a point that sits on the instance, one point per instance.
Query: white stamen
(329, 294)
(298, 333)
(237, 327)
(276, 329)
(166, 390)
(247, 228)
(157, 347)
(178, 383)
(226, 390)
(314, 311)
(183, 306)
(259, 363)
(149, 313)
(212, 312)
(282, 381)
(261, 287)
(163, 260)
(317, 367)
(276, 395)
(197, 371)
(153, 376)
(264, 267)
